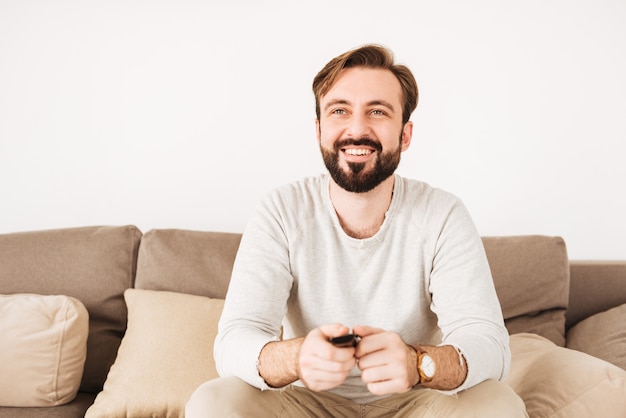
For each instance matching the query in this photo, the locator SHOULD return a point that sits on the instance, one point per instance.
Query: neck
(362, 214)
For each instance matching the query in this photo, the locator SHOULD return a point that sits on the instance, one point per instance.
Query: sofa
(129, 320)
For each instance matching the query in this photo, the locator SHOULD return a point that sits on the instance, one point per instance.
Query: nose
(358, 126)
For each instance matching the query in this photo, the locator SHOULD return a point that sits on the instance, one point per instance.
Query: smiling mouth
(358, 151)
(358, 148)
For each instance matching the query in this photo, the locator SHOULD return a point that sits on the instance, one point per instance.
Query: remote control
(348, 340)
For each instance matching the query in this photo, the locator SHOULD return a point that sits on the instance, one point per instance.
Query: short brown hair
(369, 56)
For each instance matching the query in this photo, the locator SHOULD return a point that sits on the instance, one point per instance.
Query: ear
(407, 135)
(318, 133)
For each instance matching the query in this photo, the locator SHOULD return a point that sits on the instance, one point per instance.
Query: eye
(378, 112)
(338, 112)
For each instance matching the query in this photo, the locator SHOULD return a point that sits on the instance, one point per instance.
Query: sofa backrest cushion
(93, 264)
(531, 275)
(595, 286)
(195, 262)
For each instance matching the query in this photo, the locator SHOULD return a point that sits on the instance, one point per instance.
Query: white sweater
(423, 275)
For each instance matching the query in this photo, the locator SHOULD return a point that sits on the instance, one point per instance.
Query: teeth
(358, 151)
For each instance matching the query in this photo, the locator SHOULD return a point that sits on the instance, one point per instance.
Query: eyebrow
(383, 103)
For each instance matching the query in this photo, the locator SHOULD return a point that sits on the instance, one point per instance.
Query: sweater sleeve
(465, 301)
(257, 296)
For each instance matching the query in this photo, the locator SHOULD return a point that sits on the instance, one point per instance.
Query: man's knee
(232, 397)
(221, 396)
(489, 399)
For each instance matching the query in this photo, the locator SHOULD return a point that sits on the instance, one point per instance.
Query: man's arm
(464, 299)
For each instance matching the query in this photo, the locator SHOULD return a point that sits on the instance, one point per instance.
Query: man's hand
(388, 364)
(321, 365)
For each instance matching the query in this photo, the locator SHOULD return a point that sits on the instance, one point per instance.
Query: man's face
(360, 128)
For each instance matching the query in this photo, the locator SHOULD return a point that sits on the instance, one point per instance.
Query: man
(365, 251)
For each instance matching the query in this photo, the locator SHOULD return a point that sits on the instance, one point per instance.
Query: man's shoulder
(423, 191)
(305, 194)
(307, 186)
(293, 204)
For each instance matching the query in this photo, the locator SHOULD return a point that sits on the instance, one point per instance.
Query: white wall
(183, 113)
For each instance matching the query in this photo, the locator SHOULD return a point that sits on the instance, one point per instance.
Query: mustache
(359, 142)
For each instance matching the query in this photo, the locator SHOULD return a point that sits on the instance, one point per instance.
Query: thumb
(334, 330)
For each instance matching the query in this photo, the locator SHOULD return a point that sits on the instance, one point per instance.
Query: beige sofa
(153, 300)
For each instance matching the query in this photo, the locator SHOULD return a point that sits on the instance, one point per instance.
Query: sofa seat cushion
(531, 276)
(602, 335)
(74, 409)
(557, 382)
(166, 354)
(43, 346)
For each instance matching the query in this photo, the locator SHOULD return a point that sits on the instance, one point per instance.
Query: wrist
(441, 367)
(414, 377)
(277, 364)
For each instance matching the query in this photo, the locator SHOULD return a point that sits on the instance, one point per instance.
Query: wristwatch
(426, 367)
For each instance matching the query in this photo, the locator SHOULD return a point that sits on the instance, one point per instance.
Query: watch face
(428, 366)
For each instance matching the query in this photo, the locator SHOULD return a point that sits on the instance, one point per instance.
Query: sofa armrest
(595, 286)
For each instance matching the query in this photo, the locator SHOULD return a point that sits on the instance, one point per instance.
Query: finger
(319, 364)
(364, 330)
(388, 367)
(388, 378)
(386, 387)
(371, 360)
(323, 380)
(317, 346)
(375, 341)
(320, 373)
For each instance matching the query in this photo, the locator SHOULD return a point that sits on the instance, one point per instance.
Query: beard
(356, 178)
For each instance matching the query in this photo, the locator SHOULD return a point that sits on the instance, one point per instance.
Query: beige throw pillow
(557, 382)
(166, 353)
(43, 346)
